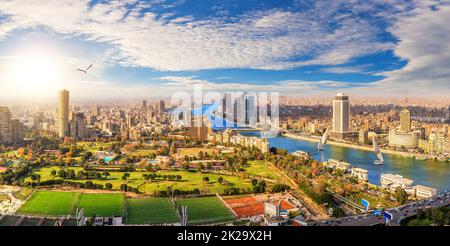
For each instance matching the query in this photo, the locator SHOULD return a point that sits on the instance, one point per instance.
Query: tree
(254, 182)
(205, 179)
(338, 212)
(220, 180)
(400, 195)
(109, 186)
(124, 187)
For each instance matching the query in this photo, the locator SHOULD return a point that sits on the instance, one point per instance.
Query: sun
(33, 73)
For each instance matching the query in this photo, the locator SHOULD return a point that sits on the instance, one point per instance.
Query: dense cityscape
(224, 121)
(136, 151)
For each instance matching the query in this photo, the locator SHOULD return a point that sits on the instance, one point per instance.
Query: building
(144, 104)
(96, 111)
(359, 173)
(405, 120)
(5, 125)
(363, 136)
(408, 140)
(17, 131)
(424, 191)
(63, 114)
(77, 126)
(341, 115)
(392, 182)
(162, 106)
(271, 209)
(199, 129)
(336, 164)
(251, 110)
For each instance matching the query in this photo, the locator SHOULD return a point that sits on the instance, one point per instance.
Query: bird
(85, 70)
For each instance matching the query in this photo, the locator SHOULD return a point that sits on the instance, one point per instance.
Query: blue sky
(298, 47)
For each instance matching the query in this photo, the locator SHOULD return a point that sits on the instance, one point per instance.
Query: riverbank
(366, 148)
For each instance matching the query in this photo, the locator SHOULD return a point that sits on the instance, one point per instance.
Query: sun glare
(33, 73)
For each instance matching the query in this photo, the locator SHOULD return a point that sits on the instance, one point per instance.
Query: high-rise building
(341, 115)
(144, 103)
(162, 106)
(405, 120)
(17, 131)
(96, 111)
(5, 125)
(77, 126)
(63, 114)
(250, 109)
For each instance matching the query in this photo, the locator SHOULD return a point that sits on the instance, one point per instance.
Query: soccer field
(102, 204)
(205, 210)
(49, 203)
(150, 211)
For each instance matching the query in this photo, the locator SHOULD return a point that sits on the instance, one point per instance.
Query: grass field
(102, 204)
(190, 180)
(141, 152)
(49, 203)
(194, 151)
(150, 211)
(259, 168)
(64, 203)
(206, 210)
(3, 197)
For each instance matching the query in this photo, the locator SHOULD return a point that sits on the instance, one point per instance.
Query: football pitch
(150, 211)
(205, 210)
(49, 203)
(64, 203)
(106, 205)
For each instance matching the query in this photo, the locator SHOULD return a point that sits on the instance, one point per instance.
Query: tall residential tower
(63, 114)
(5, 125)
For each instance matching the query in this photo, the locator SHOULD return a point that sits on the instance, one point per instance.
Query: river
(430, 173)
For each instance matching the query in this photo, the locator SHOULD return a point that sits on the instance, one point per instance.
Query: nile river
(429, 173)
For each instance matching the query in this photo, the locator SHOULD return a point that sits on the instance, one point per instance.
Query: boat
(421, 157)
(377, 151)
(323, 141)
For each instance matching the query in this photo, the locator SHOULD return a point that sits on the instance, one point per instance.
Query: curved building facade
(408, 140)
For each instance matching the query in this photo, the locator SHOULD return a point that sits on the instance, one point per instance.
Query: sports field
(150, 211)
(205, 210)
(102, 204)
(64, 203)
(49, 203)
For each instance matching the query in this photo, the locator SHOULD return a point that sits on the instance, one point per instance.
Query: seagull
(85, 70)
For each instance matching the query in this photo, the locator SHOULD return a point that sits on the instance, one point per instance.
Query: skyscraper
(96, 110)
(63, 114)
(341, 115)
(162, 106)
(405, 120)
(17, 131)
(5, 125)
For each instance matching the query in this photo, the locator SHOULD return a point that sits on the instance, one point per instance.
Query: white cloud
(424, 42)
(273, 39)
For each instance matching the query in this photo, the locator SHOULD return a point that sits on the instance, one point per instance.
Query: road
(399, 213)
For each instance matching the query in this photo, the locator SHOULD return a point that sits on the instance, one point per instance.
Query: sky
(154, 48)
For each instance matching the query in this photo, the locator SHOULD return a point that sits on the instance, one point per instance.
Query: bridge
(399, 213)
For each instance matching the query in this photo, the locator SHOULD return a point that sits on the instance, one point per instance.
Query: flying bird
(85, 70)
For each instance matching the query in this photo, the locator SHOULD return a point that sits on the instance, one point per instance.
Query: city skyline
(297, 48)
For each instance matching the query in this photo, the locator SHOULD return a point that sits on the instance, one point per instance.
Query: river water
(430, 173)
